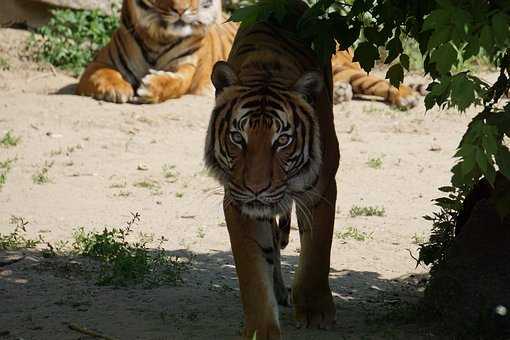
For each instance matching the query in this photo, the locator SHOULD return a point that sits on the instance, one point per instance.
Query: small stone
(142, 167)
(435, 147)
(501, 310)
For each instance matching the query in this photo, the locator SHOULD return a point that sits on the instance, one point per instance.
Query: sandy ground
(97, 150)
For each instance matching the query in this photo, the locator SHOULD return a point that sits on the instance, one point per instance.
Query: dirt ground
(99, 151)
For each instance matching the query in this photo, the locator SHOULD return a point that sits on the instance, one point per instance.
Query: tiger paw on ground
(107, 85)
(159, 86)
(269, 331)
(313, 310)
(342, 92)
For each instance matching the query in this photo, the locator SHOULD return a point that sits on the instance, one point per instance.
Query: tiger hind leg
(105, 83)
(280, 240)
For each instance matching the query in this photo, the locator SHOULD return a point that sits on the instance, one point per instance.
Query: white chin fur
(266, 211)
(180, 31)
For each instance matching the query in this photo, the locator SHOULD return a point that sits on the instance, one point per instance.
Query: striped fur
(350, 80)
(150, 59)
(162, 49)
(271, 142)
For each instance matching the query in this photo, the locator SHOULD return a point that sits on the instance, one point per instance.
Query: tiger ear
(309, 85)
(223, 76)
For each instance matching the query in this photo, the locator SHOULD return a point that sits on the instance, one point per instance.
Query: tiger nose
(258, 186)
(180, 11)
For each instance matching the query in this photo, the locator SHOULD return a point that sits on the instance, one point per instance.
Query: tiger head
(170, 19)
(263, 141)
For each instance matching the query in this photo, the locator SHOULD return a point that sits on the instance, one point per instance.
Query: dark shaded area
(368, 306)
(68, 89)
(471, 289)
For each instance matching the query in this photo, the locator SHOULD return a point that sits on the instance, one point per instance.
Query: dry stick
(86, 331)
(39, 76)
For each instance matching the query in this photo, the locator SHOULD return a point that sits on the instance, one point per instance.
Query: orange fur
(272, 86)
(156, 63)
(191, 74)
(347, 71)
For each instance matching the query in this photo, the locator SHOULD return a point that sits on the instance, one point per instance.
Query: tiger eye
(283, 140)
(236, 137)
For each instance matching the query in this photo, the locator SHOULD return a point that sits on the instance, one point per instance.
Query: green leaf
(486, 38)
(482, 160)
(445, 56)
(500, 27)
(471, 49)
(463, 92)
(467, 152)
(374, 36)
(247, 15)
(490, 144)
(394, 47)
(438, 37)
(395, 74)
(404, 60)
(366, 54)
(437, 18)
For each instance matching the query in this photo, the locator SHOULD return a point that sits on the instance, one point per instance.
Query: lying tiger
(164, 49)
(271, 142)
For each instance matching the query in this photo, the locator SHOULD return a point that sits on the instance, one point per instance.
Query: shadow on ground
(42, 296)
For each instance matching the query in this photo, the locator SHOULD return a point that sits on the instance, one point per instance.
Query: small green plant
(123, 193)
(147, 183)
(9, 140)
(418, 238)
(366, 211)
(5, 167)
(124, 262)
(56, 152)
(4, 64)
(170, 173)
(118, 185)
(375, 163)
(72, 38)
(353, 233)
(434, 251)
(17, 239)
(179, 194)
(41, 176)
(200, 232)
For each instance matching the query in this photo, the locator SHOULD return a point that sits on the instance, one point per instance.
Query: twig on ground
(86, 331)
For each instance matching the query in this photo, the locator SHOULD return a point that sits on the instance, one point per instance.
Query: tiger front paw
(342, 92)
(158, 86)
(106, 84)
(268, 331)
(313, 310)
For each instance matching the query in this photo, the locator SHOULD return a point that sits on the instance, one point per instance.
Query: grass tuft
(17, 239)
(9, 140)
(72, 37)
(375, 163)
(353, 233)
(124, 262)
(366, 211)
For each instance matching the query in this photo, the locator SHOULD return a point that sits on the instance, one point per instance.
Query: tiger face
(170, 19)
(263, 142)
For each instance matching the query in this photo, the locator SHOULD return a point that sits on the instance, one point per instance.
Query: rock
(36, 13)
(470, 290)
(103, 5)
